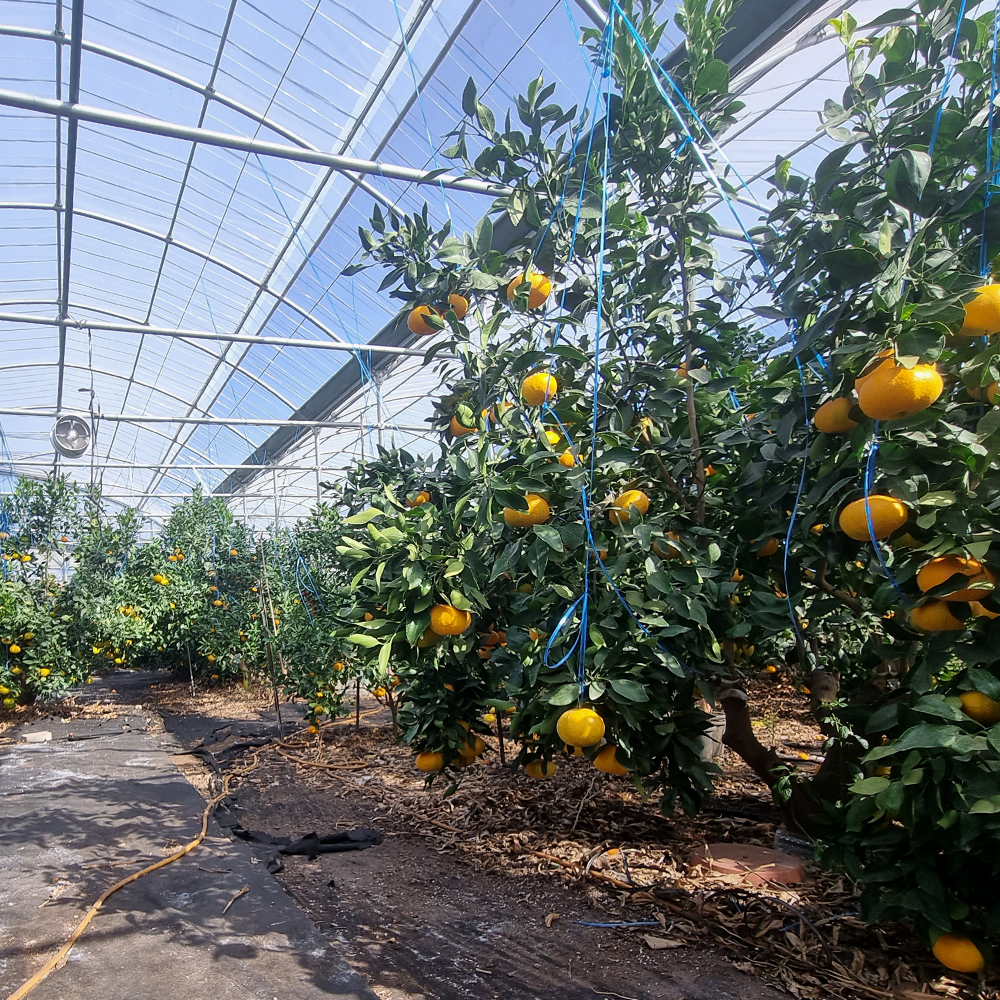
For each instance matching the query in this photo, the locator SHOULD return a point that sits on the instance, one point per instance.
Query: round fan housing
(71, 435)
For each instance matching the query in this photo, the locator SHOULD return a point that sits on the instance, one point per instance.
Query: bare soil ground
(559, 889)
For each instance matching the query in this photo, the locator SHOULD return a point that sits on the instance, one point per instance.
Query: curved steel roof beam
(281, 298)
(96, 371)
(82, 324)
(206, 90)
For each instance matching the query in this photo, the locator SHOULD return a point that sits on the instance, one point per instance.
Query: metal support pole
(225, 140)
(274, 483)
(318, 467)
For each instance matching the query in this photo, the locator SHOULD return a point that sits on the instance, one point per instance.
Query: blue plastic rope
(947, 80)
(991, 171)
(869, 482)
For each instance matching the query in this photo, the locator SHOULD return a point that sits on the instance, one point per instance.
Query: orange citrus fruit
(767, 549)
(664, 549)
(418, 324)
(891, 391)
(957, 952)
(607, 762)
(630, 498)
(981, 611)
(980, 707)
(982, 314)
(422, 497)
(541, 387)
(538, 512)
(446, 619)
(541, 286)
(937, 571)
(457, 428)
(458, 304)
(580, 727)
(430, 761)
(568, 459)
(992, 390)
(887, 513)
(540, 769)
(935, 616)
(832, 417)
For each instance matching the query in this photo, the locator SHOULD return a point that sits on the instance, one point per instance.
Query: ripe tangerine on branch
(888, 514)
(458, 429)
(540, 769)
(982, 314)
(767, 549)
(932, 574)
(458, 304)
(568, 459)
(421, 498)
(980, 707)
(417, 322)
(958, 953)
(541, 287)
(892, 392)
(538, 388)
(429, 761)
(832, 417)
(580, 727)
(608, 763)
(538, 512)
(619, 513)
(935, 616)
(664, 549)
(446, 619)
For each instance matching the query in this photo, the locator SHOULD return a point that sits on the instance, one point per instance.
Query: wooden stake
(503, 754)
(357, 705)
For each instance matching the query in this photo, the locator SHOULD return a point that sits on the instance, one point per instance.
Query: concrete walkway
(100, 801)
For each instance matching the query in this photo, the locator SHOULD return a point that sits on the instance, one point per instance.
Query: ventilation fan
(71, 435)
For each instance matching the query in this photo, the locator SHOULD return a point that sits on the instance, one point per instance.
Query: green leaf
(384, 654)
(454, 567)
(870, 786)
(550, 535)
(850, 266)
(483, 236)
(364, 516)
(713, 76)
(632, 690)
(486, 120)
(469, 98)
(906, 177)
(566, 694)
(990, 805)
(359, 639)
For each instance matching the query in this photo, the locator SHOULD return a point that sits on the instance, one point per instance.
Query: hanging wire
(947, 80)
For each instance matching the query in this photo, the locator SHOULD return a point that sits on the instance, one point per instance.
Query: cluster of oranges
(890, 391)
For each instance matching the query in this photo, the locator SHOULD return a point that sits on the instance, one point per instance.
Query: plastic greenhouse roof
(172, 234)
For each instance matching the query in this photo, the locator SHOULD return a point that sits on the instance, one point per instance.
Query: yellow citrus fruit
(538, 512)
(937, 571)
(770, 669)
(417, 321)
(580, 727)
(446, 619)
(665, 550)
(541, 387)
(541, 287)
(540, 769)
(958, 953)
(935, 616)
(430, 761)
(458, 429)
(422, 497)
(888, 514)
(619, 513)
(982, 314)
(992, 390)
(44, 672)
(607, 762)
(472, 750)
(553, 437)
(891, 391)
(568, 459)
(8, 702)
(767, 549)
(489, 719)
(526, 588)
(15, 648)
(428, 638)
(458, 304)
(978, 706)
(832, 418)
(379, 692)
(233, 552)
